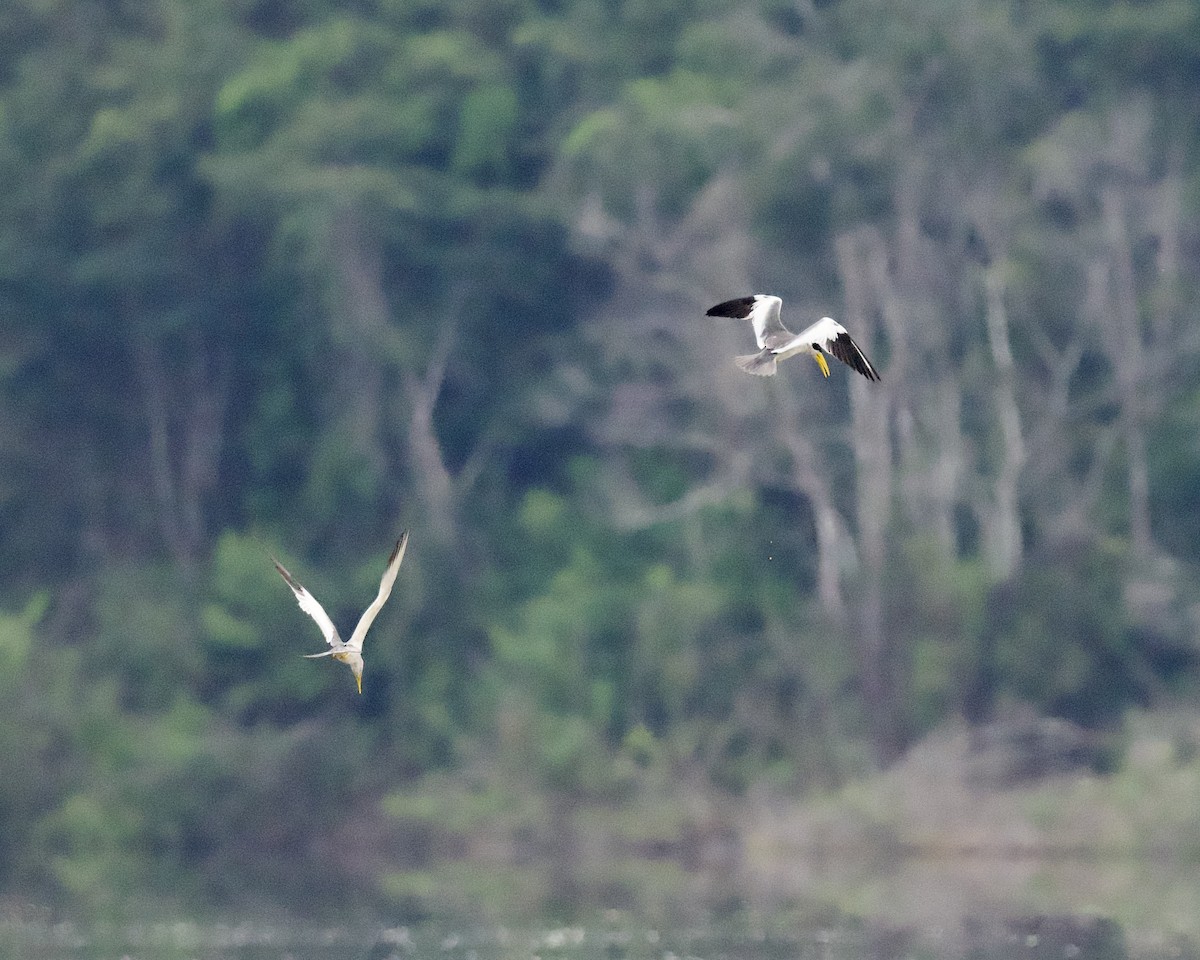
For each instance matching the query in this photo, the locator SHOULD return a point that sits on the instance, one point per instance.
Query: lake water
(909, 910)
(611, 938)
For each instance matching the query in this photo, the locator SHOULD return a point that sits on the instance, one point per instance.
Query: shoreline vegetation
(925, 844)
(943, 800)
(933, 848)
(933, 841)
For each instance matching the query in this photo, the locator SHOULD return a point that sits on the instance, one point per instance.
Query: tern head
(353, 659)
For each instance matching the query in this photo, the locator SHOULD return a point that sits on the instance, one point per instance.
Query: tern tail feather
(761, 364)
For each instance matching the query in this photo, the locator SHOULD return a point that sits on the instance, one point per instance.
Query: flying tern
(826, 336)
(348, 652)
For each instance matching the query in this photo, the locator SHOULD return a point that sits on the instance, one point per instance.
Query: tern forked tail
(761, 364)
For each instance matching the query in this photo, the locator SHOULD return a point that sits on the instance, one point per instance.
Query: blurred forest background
(287, 276)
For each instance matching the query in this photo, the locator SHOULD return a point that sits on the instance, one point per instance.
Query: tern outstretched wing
(308, 603)
(763, 312)
(385, 589)
(833, 339)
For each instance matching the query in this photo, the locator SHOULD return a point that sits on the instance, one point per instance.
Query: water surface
(907, 910)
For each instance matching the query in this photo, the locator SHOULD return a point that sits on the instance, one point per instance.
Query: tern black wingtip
(738, 308)
(399, 548)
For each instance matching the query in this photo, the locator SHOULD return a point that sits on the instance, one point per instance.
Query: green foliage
(670, 132)
(940, 607)
(1061, 645)
(17, 636)
(1175, 476)
(278, 279)
(144, 634)
(22, 742)
(486, 126)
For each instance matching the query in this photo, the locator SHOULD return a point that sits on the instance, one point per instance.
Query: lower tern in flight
(826, 336)
(348, 652)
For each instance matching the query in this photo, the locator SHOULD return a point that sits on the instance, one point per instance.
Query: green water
(611, 938)
(906, 910)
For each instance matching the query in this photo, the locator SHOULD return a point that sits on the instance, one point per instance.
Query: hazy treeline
(285, 277)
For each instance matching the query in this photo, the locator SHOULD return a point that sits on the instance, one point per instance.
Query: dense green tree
(281, 279)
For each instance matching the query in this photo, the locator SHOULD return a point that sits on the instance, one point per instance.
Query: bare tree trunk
(832, 537)
(425, 450)
(153, 377)
(1002, 519)
(1121, 332)
(185, 418)
(926, 407)
(873, 477)
(1166, 216)
(204, 436)
(361, 268)
(358, 390)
